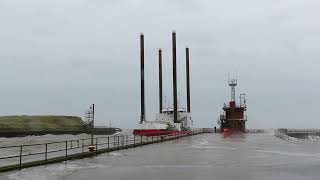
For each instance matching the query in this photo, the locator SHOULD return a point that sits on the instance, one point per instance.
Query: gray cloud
(59, 56)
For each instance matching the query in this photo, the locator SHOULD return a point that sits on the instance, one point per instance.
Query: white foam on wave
(309, 138)
(54, 172)
(313, 138)
(177, 166)
(213, 147)
(269, 131)
(290, 153)
(39, 174)
(204, 142)
(116, 154)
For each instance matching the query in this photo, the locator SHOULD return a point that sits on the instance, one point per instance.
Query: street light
(92, 146)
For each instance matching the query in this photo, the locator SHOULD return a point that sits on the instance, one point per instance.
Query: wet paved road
(201, 157)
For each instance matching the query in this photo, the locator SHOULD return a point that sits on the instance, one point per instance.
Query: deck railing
(22, 156)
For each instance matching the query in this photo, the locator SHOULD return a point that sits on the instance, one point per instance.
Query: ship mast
(174, 63)
(160, 81)
(142, 114)
(188, 80)
(233, 83)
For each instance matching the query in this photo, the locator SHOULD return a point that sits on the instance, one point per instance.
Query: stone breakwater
(298, 134)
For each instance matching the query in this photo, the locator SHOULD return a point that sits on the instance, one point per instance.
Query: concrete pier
(296, 133)
(209, 156)
(77, 149)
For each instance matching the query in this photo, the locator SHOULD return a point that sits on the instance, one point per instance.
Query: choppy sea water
(206, 156)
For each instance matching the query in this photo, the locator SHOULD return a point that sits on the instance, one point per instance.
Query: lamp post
(92, 124)
(92, 147)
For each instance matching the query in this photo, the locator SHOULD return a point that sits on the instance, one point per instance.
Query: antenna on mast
(232, 83)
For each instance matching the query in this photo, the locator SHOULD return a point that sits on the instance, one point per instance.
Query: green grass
(40, 123)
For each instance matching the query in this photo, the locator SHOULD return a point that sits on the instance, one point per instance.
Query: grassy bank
(40, 123)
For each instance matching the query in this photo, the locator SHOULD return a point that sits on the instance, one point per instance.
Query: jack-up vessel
(170, 120)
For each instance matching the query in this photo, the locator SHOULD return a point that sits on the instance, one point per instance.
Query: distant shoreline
(19, 126)
(100, 131)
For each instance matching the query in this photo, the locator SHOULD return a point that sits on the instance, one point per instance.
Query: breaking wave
(54, 172)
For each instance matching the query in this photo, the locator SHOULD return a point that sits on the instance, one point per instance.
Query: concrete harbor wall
(207, 130)
(288, 134)
(54, 152)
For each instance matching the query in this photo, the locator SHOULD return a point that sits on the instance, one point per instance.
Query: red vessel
(233, 119)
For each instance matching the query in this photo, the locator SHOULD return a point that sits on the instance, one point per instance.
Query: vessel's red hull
(158, 132)
(228, 131)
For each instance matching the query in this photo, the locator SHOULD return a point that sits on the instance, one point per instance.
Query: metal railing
(22, 156)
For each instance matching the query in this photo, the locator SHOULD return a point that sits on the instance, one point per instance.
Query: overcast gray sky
(59, 56)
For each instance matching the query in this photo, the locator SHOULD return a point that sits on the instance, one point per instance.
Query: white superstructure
(164, 120)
